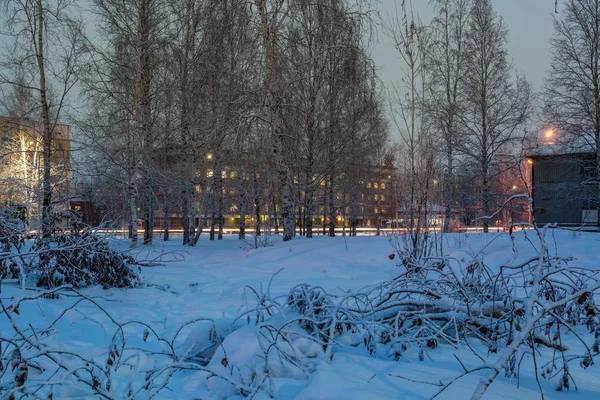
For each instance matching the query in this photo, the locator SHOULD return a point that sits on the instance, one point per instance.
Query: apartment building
(21, 163)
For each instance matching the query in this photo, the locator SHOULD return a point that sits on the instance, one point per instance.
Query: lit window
(382, 185)
(224, 174)
(375, 185)
(233, 208)
(231, 191)
(209, 156)
(376, 197)
(362, 195)
(198, 188)
(382, 210)
(376, 210)
(209, 173)
(233, 174)
(369, 185)
(382, 197)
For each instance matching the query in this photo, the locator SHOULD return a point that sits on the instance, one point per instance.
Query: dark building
(564, 186)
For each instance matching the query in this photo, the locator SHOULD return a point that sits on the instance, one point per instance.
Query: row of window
(233, 174)
(224, 174)
(374, 185)
(375, 197)
(235, 208)
(233, 191)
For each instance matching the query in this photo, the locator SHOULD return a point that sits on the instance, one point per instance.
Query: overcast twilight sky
(530, 27)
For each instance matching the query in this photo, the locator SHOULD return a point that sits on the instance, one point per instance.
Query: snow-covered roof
(580, 144)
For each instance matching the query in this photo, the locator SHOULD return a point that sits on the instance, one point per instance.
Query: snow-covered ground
(212, 280)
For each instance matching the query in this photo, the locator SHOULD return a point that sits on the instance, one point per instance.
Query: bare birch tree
(410, 117)
(44, 37)
(572, 90)
(124, 73)
(272, 14)
(496, 105)
(447, 68)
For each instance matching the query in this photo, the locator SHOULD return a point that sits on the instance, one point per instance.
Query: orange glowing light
(549, 133)
(529, 161)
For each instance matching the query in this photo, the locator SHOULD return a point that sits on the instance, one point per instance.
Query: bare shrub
(80, 256)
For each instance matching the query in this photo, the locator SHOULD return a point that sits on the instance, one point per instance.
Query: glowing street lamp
(549, 136)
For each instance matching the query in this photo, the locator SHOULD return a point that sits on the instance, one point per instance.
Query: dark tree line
(279, 96)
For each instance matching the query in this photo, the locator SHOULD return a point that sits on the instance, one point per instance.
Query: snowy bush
(413, 249)
(81, 257)
(265, 239)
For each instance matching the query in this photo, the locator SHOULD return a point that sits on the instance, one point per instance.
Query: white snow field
(213, 280)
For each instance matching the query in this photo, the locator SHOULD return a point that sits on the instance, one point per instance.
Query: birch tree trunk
(271, 21)
(242, 204)
(165, 221)
(46, 124)
(133, 223)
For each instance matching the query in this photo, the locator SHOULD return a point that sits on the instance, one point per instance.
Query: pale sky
(530, 27)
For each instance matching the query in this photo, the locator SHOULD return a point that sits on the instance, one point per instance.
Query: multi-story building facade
(372, 198)
(21, 163)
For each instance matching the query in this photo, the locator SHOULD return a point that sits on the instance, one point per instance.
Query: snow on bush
(79, 256)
